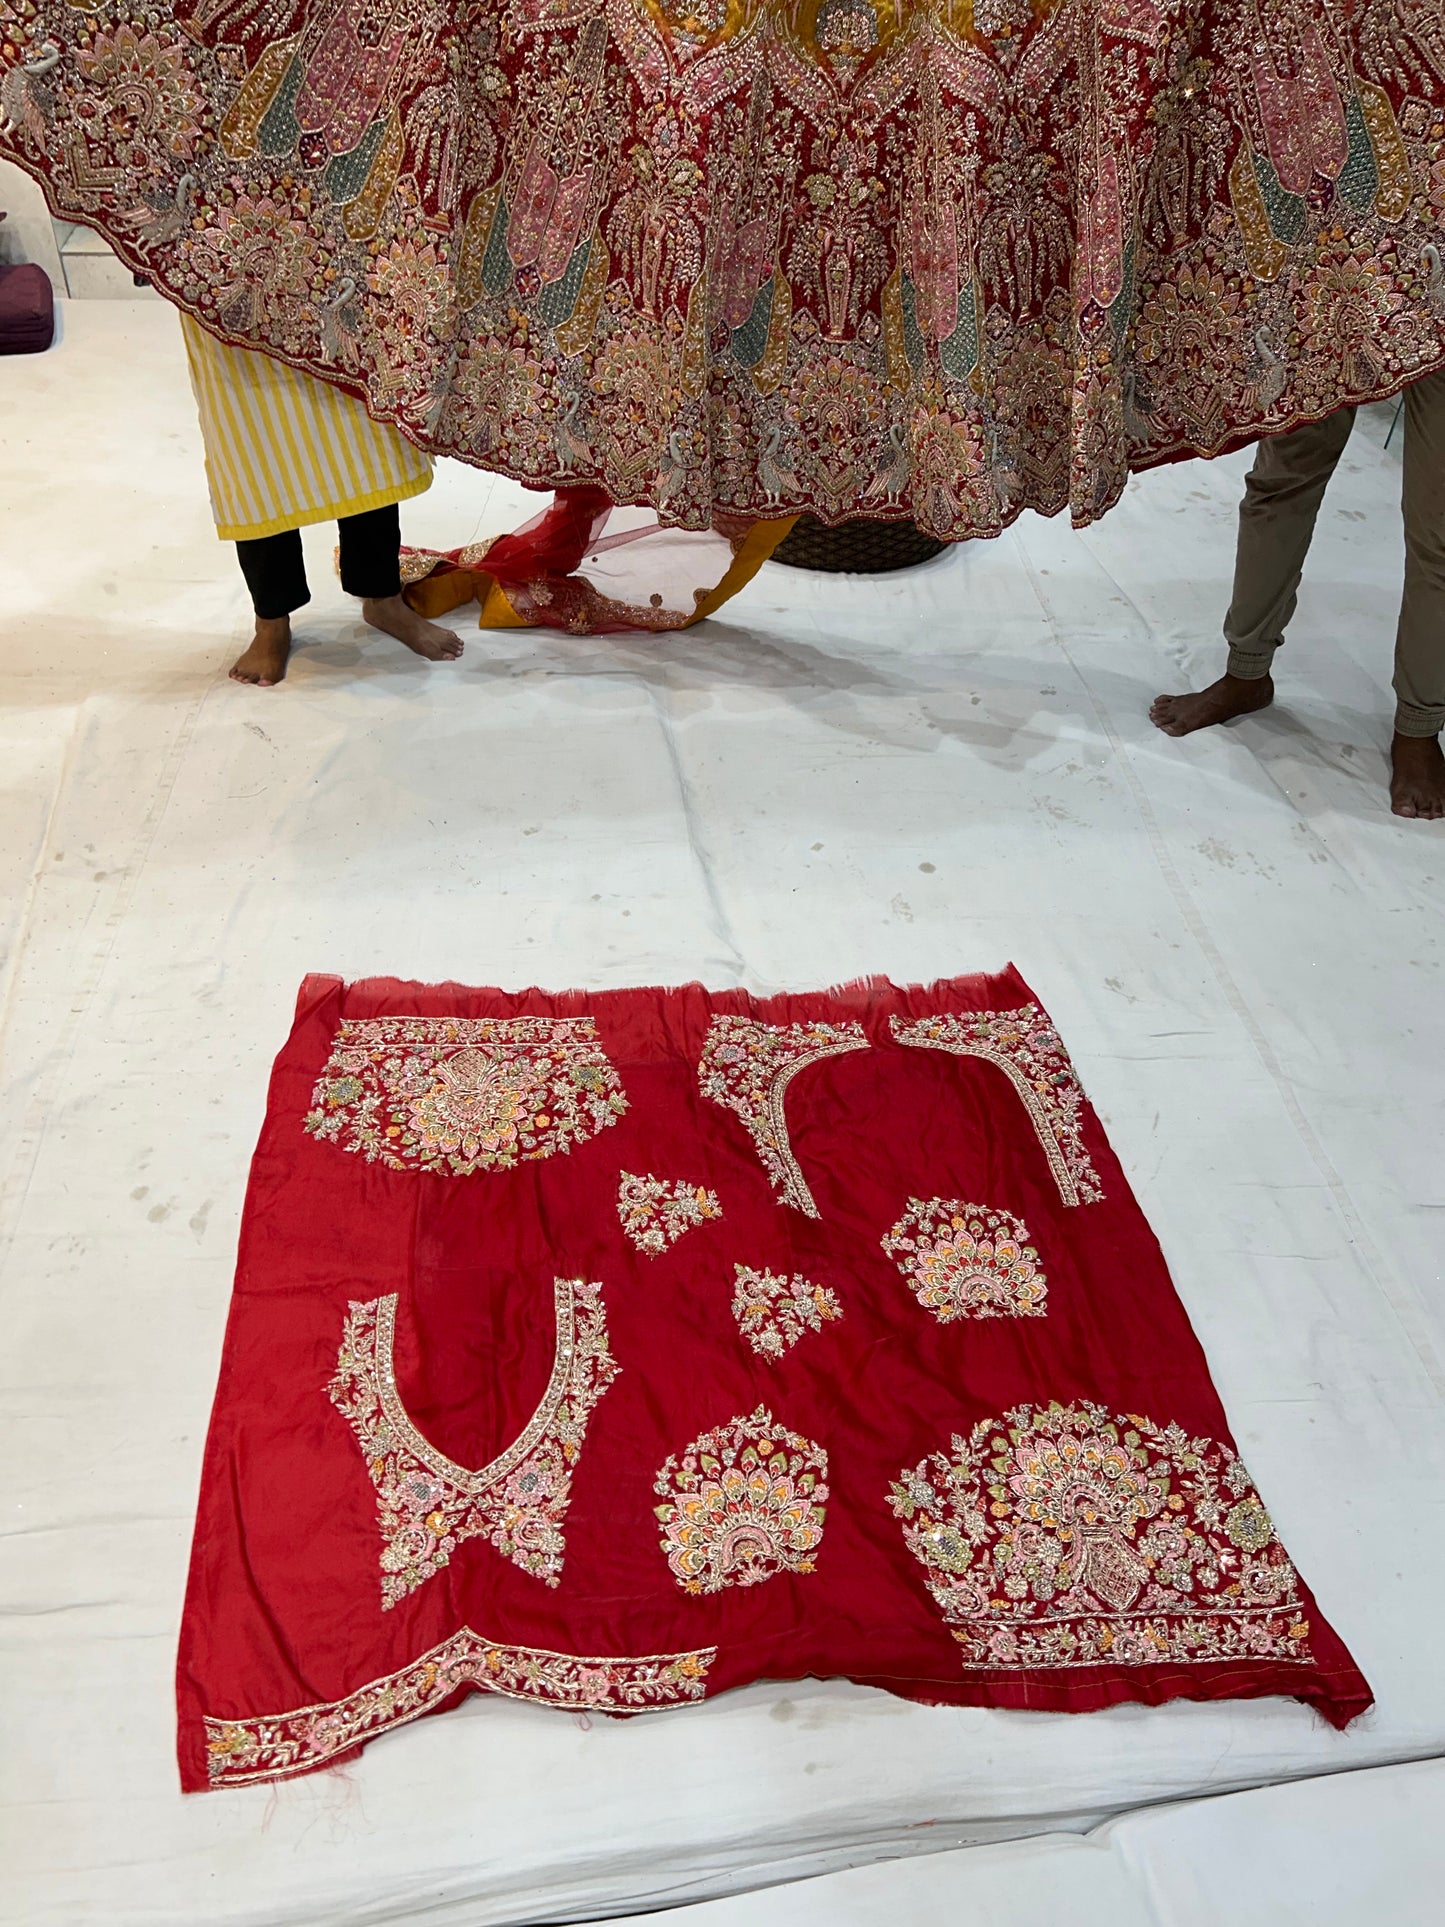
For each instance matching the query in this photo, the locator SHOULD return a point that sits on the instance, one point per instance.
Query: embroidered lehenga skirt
(741, 259)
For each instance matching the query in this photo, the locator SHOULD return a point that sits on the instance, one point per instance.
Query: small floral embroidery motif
(1030, 1052)
(744, 1502)
(277, 1744)
(773, 1312)
(1070, 1537)
(747, 1068)
(965, 1261)
(462, 1094)
(426, 1503)
(655, 1214)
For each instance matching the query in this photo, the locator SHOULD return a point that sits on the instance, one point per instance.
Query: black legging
(275, 570)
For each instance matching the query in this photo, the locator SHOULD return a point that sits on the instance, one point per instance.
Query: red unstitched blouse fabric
(611, 1350)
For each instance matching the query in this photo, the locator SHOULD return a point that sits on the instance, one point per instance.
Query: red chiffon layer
(581, 566)
(613, 1350)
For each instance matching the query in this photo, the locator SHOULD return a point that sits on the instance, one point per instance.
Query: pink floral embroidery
(427, 1504)
(1070, 1537)
(774, 1311)
(747, 1068)
(1030, 1052)
(744, 1502)
(965, 1261)
(462, 1094)
(655, 1214)
(277, 1744)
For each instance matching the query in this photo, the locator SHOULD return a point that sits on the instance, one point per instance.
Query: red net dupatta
(610, 1350)
(585, 566)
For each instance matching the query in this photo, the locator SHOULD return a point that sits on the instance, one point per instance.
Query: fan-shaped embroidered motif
(965, 1261)
(744, 1503)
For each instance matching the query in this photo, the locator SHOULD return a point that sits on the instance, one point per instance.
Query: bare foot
(394, 618)
(1417, 777)
(264, 663)
(1231, 696)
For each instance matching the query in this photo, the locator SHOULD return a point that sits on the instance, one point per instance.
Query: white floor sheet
(917, 776)
(1341, 1851)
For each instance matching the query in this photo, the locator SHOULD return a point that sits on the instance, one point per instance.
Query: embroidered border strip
(272, 1746)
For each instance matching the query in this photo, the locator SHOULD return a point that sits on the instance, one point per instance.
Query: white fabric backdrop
(1331, 1852)
(930, 775)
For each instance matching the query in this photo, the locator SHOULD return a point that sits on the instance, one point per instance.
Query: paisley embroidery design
(275, 1745)
(1029, 1051)
(747, 1066)
(427, 1504)
(655, 1214)
(1069, 1537)
(966, 1261)
(456, 1095)
(744, 1503)
(773, 1311)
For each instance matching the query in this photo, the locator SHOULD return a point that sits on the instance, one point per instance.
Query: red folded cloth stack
(27, 310)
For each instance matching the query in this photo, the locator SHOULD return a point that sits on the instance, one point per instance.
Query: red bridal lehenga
(612, 1349)
(738, 259)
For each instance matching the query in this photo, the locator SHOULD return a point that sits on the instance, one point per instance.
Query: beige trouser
(1277, 519)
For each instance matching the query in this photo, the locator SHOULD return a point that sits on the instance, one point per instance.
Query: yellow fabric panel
(283, 449)
(757, 545)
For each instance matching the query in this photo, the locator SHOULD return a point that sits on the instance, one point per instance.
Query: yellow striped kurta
(283, 449)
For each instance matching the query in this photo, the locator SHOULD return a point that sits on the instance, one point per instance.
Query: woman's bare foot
(1231, 696)
(264, 663)
(394, 618)
(1417, 777)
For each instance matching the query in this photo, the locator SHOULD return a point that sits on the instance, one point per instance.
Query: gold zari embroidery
(427, 1504)
(1067, 1537)
(655, 1214)
(1029, 1051)
(739, 259)
(965, 1261)
(461, 1094)
(747, 1067)
(743, 1503)
(774, 1311)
